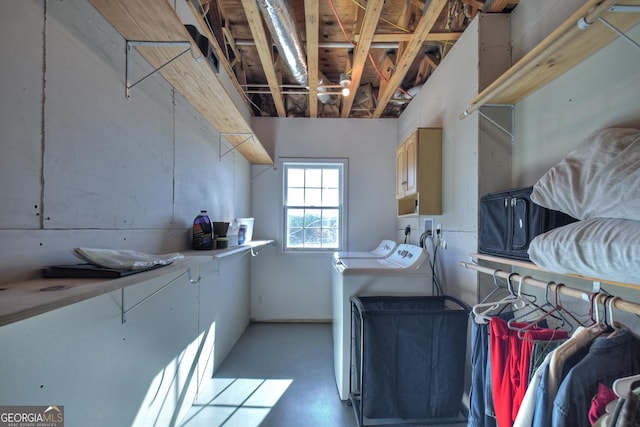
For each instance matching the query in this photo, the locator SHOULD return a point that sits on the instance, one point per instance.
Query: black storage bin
(509, 220)
(408, 359)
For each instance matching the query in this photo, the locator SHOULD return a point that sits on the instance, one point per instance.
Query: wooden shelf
(563, 49)
(29, 298)
(532, 266)
(153, 20)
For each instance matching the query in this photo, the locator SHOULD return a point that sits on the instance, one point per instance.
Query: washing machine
(405, 272)
(383, 250)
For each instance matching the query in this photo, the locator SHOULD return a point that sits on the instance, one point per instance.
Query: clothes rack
(620, 304)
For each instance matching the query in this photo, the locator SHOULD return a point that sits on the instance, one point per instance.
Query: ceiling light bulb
(345, 82)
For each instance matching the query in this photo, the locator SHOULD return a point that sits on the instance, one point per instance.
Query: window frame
(318, 163)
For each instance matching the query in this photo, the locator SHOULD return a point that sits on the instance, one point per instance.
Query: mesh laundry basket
(408, 358)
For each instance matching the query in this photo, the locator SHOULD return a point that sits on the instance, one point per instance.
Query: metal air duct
(280, 19)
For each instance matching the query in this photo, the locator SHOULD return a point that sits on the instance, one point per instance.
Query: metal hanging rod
(134, 43)
(620, 304)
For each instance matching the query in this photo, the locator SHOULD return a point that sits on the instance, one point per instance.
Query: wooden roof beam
(312, 17)
(402, 37)
(413, 47)
(369, 24)
(263, 45)
(500, 5)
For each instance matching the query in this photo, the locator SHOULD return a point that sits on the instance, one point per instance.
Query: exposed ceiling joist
(311, 9)
(369, 24)
(263, 45)
(413, 47)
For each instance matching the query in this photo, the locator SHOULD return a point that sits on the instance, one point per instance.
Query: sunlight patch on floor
(242, 402)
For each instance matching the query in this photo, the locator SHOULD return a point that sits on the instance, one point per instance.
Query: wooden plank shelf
(154, 21)
(563, 49)
(29, 298)
(532, 266)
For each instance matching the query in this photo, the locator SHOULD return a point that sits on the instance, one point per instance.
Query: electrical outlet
(428, 225)
(439, 230)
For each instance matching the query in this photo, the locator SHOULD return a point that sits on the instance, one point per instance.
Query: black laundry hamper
(408, 360)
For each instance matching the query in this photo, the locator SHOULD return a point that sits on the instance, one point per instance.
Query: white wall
(298, 286)
(81, 165)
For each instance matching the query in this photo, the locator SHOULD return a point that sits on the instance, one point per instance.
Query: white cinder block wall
(81, 165)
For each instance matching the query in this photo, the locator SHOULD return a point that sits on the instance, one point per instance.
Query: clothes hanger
(597, 326)
(482, 310)
(548, 309)
(617, 327)
(623, 386)
(518, 301)
(497, 288)
(561, 309)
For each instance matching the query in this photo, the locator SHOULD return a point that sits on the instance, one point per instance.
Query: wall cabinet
(419, 173)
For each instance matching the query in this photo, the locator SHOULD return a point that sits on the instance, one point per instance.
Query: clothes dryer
(383, 250)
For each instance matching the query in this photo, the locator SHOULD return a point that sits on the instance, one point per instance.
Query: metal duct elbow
(280, 19)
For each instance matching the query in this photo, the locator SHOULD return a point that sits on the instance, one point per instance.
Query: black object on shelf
(408, 360)
(89, 271)
(509, 220)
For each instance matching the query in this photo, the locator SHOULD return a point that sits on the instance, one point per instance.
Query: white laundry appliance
(406, 271)
(383, 250)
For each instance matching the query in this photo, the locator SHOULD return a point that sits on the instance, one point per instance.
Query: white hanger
(622, 386)
(482, 310)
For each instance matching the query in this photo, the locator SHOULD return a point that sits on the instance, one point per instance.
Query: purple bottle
(202, 232)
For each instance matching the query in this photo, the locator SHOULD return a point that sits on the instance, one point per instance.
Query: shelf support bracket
(498, 125)
(123, 296)
(249, 136)
(583, 24)
(133, 43)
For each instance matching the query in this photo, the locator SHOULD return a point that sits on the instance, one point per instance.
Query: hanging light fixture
(345, 82)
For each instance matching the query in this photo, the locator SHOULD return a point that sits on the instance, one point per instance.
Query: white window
(313, 205)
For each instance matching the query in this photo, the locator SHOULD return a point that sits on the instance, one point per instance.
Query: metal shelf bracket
(133, 43)
(123, 296)
(583, 24)
(249, 136)
(498, 125)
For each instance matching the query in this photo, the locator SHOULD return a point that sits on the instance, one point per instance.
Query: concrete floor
(277, 375)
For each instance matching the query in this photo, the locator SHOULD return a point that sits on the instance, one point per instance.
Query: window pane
(331, 197)
(313, 178)
(313, 197)
(295, 238)
(313, 218)
(330, 238)
(295, 177)
(296, 197)
(312, 238)
(331, 178)
(295, 218)
(330, 218)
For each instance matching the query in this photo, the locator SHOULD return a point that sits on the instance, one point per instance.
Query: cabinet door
(412, 165)
(401, 171)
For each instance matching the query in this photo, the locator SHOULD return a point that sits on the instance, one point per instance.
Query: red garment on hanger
(510, 362)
